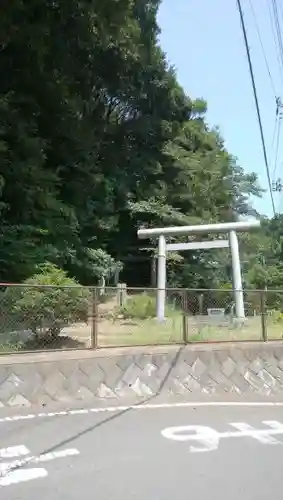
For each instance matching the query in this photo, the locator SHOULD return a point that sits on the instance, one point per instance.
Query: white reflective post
(161, 279)
(236, 275)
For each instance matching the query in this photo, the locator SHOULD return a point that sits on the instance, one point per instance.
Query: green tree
(97, 138)
(49, 302)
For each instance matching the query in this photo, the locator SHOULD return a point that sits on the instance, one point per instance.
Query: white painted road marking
(14, 451)
(206, 436)
(264, 438)
(21, 476)
(46, 457)
(142, 406)
(209, 438)
(10, 473)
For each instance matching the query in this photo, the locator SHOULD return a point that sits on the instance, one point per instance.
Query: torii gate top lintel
(201, 228)
(227, 227)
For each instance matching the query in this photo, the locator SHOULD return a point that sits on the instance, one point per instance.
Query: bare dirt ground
(115, 330)
(112, 329)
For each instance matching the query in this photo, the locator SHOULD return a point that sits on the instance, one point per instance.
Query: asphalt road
(128, 454)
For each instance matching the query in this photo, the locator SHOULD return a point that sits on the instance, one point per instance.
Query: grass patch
(137, 332)
(150, 331)
(135, 324)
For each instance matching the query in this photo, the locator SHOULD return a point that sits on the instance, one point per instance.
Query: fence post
(184, 318)
(263, 316)
(94, 320)
(121, 294)
(200, 303)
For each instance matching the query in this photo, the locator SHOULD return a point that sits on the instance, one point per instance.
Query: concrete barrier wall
(74, 376)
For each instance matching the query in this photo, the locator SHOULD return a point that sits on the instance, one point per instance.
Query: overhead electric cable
(262, 48)
(275, 36)
(278, 115)
(256, 103)
(278, 29)
(277, 22)
(277, 147)
(274, 134)
(281, 11)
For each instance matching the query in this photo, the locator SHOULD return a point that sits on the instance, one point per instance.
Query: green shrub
(49, 301)
(275, 316)
(139, 307)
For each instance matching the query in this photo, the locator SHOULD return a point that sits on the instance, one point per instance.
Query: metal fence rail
(51, 317)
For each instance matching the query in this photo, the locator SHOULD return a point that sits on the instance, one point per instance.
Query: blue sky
(204, 41)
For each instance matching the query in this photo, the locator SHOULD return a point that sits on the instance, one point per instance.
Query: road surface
(154, 452)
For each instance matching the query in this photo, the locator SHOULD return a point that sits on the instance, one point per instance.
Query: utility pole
(243, 26)
(277, 186)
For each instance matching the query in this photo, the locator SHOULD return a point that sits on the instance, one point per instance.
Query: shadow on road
(108, 418)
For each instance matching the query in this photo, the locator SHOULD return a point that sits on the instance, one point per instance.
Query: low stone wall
(73, 376)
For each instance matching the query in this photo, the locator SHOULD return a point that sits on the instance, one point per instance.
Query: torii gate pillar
(230, 227)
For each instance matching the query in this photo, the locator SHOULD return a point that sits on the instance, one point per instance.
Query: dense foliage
(45, 310)
(97, 138)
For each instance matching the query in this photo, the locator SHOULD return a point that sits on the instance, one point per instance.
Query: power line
(256, 104)
(281, 12)
(276, 22)
(274, 135)
(278, 29)
(278, 115)
(262, 48)
(277, 50)
(277, 182)
(277, 146)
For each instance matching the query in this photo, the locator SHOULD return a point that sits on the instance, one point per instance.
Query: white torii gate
(229, 227)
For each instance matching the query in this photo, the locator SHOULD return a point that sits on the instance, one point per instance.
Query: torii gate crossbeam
(229, 227)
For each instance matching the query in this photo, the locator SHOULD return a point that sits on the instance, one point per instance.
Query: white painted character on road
(209, 438)
(15, 471)
(206, 437)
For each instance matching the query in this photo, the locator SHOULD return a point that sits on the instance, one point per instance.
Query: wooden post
(263, 316)
(184, 318)
(121, 294)
(94, 320)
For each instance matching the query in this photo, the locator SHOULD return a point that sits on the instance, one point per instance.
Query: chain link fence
(51, 317)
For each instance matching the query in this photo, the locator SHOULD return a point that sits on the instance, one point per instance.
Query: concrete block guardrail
(238, 369)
